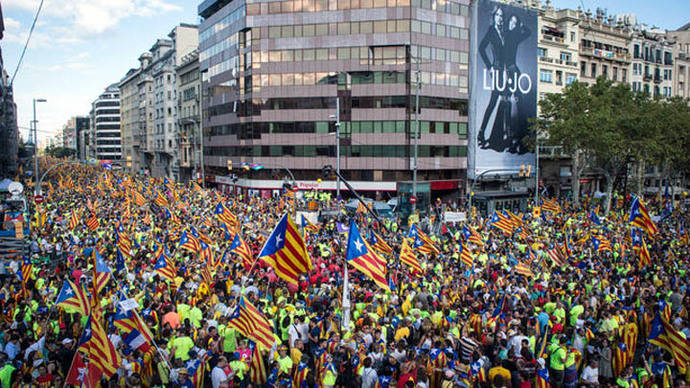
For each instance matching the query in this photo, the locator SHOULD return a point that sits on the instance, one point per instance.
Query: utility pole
(416, 137)
(37, 188)
(536, 172)
(337, 146)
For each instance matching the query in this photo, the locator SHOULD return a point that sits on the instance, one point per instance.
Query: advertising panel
(503, 75)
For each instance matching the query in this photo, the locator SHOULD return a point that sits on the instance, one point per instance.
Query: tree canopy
(607, 126)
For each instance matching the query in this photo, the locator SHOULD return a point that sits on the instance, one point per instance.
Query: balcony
(551, 38)
(546, 59)
(657, 79)
(551, 152)
(647, 77)
(569, 63)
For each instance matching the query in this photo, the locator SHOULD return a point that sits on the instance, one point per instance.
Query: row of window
(652, 55)
(547, 77)
(638, 86)
(296, 6)
(365, 27)
(368, 102)
(223, 23)
(255, 129)
(382, 151)
(604, 71)
(331, 78)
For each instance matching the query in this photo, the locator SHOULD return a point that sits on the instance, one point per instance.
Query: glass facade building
(272, 71)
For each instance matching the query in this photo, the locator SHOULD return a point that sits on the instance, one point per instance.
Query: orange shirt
(173, 319)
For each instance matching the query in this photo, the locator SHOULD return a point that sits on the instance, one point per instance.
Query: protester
(168, 272)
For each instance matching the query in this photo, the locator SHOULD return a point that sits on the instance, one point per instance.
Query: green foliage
(60, 152)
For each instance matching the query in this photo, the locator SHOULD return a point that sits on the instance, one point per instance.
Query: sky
(81, 46)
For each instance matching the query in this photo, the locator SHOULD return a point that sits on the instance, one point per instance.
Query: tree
(607, 126)
(60, 152)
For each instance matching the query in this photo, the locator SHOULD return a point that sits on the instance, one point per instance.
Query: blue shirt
(12, 350)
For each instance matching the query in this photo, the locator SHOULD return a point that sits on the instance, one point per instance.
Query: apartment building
(150, 105)
(604, 47)
(275, 72)
(558, 49)
(652, 62)
(105, 125)
(189, 116)
(681, 84)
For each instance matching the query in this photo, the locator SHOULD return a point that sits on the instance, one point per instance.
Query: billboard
(503, 75)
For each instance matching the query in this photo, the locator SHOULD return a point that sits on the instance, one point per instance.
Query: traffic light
(230, 164)
(327, 171)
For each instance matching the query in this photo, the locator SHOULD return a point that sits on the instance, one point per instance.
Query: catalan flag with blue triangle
(364, 258)
(639, 217)
(286, 251)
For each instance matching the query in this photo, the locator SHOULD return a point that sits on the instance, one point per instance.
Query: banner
(503, 72)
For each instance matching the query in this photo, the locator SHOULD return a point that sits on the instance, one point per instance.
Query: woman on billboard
(505, 82)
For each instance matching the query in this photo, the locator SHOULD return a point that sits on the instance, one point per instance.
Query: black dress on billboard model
(515, 128)
(494, 38)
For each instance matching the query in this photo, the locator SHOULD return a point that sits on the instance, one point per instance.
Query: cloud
(84, 19)
(12, 24)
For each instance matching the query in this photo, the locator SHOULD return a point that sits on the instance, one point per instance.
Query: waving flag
(594, 217)
(379, 244)
(557, 256)
(502, 222)
(102, 271)
(190, 243)
(82, 374)
(408, 257)
(257, 367)
(640, 217)
(164, 267)
(94, 342)
(640, 246)
(308, 226)
(523, 270)
(299, 380)
(73, 220)
(196, 370)
(243, 250)
(422, 242)
(286, 252)
(364, 258)
(551, 206)
(136, 334)
(251, 323)
(620, 359)
(664, 335)
(543, 378)
(92, 223)
(160, 200)
(601, 244)
(466, 255)
(225, 216)
(74, 297)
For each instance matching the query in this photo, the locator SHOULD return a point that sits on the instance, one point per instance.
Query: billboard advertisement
(503, 75)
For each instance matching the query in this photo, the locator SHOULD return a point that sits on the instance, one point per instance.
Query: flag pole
(346, 300)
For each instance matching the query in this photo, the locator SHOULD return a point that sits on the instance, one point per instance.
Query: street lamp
(336, 116)
(37, 190)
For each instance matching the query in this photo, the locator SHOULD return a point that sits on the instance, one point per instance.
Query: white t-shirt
(217, 377)
(590, 375)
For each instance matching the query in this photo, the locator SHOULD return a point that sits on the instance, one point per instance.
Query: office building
(149, 99)
(105, 125)
(274, 72)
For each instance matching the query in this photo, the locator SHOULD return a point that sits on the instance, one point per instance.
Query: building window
(614, 76)
(559, 77)
(593, 73)
(545, 76)
(605, 71)
(636, 51)
(572, 36)
(583, 68)
(541, 52)
(565, 56)
(570, 78)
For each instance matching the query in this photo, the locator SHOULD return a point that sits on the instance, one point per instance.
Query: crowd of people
(560, 298)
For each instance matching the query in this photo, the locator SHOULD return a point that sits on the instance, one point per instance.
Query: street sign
(295, 188)
(38, 198)
(413, 199)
